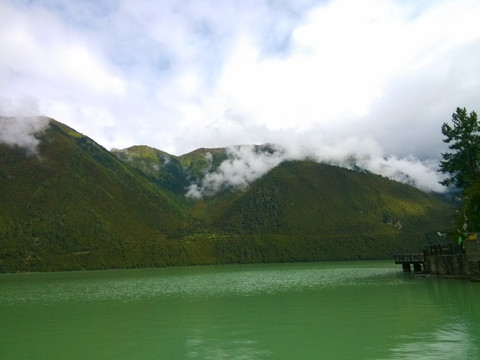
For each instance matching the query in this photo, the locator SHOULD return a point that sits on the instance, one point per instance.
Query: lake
(338, 310)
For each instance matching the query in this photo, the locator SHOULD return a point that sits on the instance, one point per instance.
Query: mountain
(75, 205)
(161, 168)
(318, 211)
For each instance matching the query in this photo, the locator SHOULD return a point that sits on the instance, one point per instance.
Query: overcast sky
(178, 75)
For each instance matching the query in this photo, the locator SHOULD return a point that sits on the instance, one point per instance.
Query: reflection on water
(200, 347)
(362, 310)
(457, 335)
(452, 342)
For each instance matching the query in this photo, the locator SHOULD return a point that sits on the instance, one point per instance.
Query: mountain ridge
(74, 205)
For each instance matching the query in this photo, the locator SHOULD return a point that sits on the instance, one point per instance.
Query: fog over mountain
(20, 123)
(180, 75)
(67, 203)
(364, 84)
(246, 164)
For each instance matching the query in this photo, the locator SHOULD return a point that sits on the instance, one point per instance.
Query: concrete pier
(446, 260)
(407, 260)
(472, 251)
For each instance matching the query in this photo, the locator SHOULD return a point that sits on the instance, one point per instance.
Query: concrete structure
(446, 265)
(472, 252)
(417, 260)
(446, 260)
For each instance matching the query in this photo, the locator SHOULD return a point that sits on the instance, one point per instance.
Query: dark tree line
(462, 164)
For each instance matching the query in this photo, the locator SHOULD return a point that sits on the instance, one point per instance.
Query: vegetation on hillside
(163, 169)
(74, 205)
(462, 165)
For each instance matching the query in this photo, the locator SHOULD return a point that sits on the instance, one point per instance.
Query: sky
(374, 79)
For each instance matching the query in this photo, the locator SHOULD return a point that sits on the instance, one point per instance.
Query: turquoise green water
(354, 310)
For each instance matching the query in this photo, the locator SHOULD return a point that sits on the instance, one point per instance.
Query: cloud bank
(245, 164)
(179, 75)
(20, 124)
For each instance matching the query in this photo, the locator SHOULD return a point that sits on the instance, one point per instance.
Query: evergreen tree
(472, 207)
(463, 164)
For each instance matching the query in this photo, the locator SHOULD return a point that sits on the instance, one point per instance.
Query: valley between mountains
(70, 204)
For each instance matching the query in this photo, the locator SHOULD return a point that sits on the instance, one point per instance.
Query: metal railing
(417, 258)
(409, 258)
(444, 249)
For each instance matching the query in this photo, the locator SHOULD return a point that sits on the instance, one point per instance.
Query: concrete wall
(472, 250)
(467, 265)
(450, 265)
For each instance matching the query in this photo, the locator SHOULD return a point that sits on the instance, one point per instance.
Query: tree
(463, 163)
(472, 207)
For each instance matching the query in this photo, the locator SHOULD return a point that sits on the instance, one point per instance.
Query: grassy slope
(309, 211)
(317, 198)
(200, 161)
(77, 206)
(159, 167)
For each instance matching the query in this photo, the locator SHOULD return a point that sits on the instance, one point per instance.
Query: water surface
(342, 310)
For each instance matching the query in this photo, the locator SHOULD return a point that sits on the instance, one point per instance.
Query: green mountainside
(75, 205)
(163, 169)
(318, 211)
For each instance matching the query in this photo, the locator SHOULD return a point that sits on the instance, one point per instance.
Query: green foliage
(462, 165)
(157, 166)
(463, 162)
(77, 206)
(472, 207)
(302, 197)
(197, 163)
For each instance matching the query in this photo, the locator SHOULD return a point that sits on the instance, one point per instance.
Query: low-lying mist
(20, 123)
(22, 131)
(248, 163)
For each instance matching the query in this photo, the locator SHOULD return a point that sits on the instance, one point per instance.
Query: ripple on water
(198, 283)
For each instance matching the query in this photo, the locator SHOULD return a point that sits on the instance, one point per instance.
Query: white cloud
(40, 49)
(180, 75)
(345, 63)
(22, 132)
(23, 107)
(20, 124)
(83, 68)
(245, 164)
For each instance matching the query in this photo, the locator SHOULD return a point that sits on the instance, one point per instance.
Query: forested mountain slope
(75, 205)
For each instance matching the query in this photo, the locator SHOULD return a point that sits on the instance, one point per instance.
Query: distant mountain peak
(79, 206)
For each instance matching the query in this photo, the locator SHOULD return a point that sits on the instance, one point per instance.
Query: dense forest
(74, 205)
